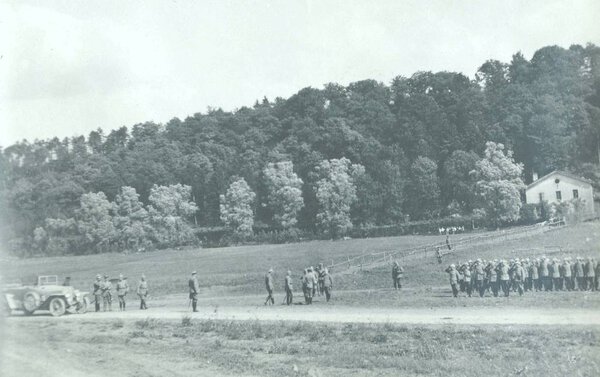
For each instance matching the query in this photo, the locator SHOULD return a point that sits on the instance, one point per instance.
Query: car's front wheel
(83, 305)
(57, 306)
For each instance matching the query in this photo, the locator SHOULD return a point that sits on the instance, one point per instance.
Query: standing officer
(492, 277)
(519, 277)
(307, 282)
(106, 294)
(555, 273)
(566, 275)
(504, 277)
(590, 274)
(194, 288)
(327, 284)
(97, 292)
(438, 254)
(453, 275)
(289, 288)
(578, 273)
(545, 274)
(142, 292)
(269, 286)
(397, 271)
(465, 283)
(534, 274)
(67, 282)
(122, 290)
(479, 276)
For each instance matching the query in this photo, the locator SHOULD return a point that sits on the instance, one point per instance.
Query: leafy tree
(95, 222)
(498, 184)
(423, 189)
(284, 192)
(336, 192)
(237, 207)
(130, 220)
(170, 208)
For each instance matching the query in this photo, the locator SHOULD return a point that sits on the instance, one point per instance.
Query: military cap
(98, 276)
(270, 270)
(194, 272)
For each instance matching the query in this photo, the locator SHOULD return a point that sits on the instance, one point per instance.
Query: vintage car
(45, 294)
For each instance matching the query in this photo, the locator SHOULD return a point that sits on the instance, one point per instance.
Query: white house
(561, 186)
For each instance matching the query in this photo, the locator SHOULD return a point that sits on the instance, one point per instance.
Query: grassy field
(222, 348)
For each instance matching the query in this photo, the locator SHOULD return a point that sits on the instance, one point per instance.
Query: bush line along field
(240, 270)
(223, 348)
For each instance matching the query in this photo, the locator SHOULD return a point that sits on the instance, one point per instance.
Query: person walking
(142, 292)
(269, 286)
(289, 288)
(122, 290)
(194, 288)
(97, 292)
(397, 272)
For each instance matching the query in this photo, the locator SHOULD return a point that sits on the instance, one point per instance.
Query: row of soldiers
(522, 275)
(315, 281)
(103, 292)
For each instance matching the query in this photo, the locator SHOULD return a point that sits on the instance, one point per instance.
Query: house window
(575, 194)
(558, 195)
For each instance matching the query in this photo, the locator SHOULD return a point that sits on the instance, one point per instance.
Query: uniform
(519, 277)
(307, 282)
(269, 286)
(106, 294)
(397, 271)
(453, 275)
(465, 283)
(122, 290)
(142, 292)
(97, 293)
(589, 272)
(479, 276)
(504, 277)
(327, 285)
(289, 289)
(194, 288)
(578, 274)
(492, 277)
(534, 275)
(566, 276)
(545, 275)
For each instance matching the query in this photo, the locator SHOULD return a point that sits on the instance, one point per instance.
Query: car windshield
(48, 280)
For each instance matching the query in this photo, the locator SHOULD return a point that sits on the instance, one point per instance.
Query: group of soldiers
(103, 292)
(522, 275)
(315, 281)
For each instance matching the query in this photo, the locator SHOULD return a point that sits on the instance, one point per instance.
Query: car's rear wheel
(57, 306)
(31, 301)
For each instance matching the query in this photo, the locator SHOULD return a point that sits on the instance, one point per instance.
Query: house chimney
(535, 176)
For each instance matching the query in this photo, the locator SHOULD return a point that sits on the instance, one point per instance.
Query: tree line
(323, 160)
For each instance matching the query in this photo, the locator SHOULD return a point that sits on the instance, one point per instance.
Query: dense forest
(408, 151)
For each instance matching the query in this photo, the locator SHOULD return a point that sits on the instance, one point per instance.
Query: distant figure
(307, 283)
(269, 286)
(438, 254)
(142, 292)
(289, 288)
(589, 272)
(122, 290)
(397, 272)
(97, 292)
(448, 242)
(67, 282)
(194, 288)
(321, 275)
(106, 294)
(327, 284)
(504, 277)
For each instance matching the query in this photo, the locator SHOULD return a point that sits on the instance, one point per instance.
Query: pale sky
(68, 67)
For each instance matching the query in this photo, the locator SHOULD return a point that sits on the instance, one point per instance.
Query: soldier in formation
(327, 284)
(289, 288)
(97, 292)
(122, 290)
(525, 275)
(307, 286)
(194, 289)
(142, 292)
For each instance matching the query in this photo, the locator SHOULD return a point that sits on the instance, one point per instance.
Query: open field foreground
(193, 347)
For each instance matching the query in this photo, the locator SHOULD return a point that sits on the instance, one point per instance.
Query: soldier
(453, 274)
(438, 254)
(534, 275)
(448, 242)
(519, 277)
(194, 289)
(97, 292)
(269, 285)
(590, 274)
(503, 276)
(545, 274)
(527, 280)
(122, 290)
(319, 273)
(397, 271)
(308, 282)
(465, 283)
(492, 276)
(596, 276)
(315, 280)
(565, 274)
(106, 294)
(142, 292)
(289, 288)
(479, 276)
(578, 274)
(327, 284)
(67, 282)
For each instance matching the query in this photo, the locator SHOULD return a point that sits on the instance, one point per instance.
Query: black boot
(194, 307)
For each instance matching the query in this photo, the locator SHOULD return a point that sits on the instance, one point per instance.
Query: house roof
(564, 173)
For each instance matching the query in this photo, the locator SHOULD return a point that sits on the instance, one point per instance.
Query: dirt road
(342, 314)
